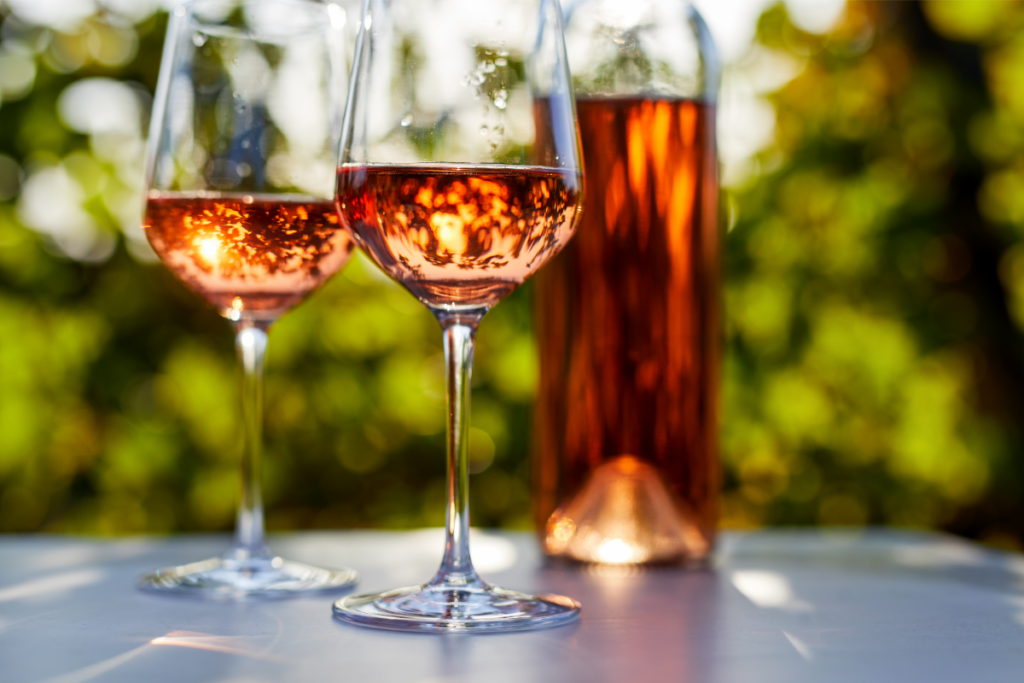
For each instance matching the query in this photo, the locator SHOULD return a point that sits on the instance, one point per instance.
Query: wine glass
(240, 173)
(459, 176)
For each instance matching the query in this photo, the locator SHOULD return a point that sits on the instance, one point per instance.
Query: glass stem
(251, 346)
(457, 566)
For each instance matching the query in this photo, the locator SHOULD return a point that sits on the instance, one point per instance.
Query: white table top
(787, 606)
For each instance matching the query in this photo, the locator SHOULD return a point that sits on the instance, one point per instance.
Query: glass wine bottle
(627, 316)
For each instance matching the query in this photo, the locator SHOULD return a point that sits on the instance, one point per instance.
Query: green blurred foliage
(873, 369)
(874, 298)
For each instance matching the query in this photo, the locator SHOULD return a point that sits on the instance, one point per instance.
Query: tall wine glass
(459, 176)
(240, 171)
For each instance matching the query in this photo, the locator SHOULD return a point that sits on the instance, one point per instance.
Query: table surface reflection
(791, 606)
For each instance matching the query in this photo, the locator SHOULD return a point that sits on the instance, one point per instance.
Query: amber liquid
(459, 236)
(250, 256)
(628, 327)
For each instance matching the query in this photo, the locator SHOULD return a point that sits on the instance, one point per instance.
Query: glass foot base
(228, 579)
(445, 608)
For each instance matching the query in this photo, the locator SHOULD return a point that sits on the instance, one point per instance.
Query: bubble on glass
(199, 40)
(497, 137)
(406, 120)
(484, 131)
(476, 77)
